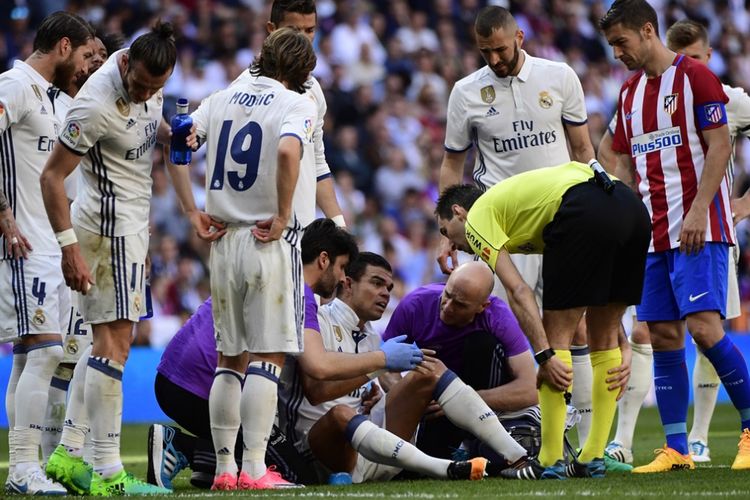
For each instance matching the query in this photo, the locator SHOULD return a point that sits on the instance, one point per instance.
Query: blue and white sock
(258, 410)
(672, 395)
(103, 396)
(732, 370)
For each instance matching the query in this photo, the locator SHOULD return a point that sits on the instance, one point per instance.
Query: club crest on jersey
(545, 100)
(122, 106)
(488, 94)
(37, 91)
(714, 113)
(670, 103)
(72, 133)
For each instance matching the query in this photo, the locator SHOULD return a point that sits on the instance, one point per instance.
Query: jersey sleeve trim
(574, 123)
(290, 134)
(77, 153)
(451, 150)
(324, 177)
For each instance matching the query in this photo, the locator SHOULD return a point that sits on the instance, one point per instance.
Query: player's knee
(640, 334)
(705, 328)
(341, 415)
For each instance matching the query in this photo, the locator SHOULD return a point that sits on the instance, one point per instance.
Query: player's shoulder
(631, 81)
(695, 70)
(549, 67)
(477, 79)
(734, 93)
(15, 82)
(315, 93)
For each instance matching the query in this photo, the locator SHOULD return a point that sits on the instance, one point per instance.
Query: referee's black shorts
(595, 248)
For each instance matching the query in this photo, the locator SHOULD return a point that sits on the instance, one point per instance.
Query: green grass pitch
(714, 480)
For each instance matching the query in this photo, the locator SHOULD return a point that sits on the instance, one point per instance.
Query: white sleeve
(300, 120)
(12, 103)
(574, 103)
(738, 111)
(85, 124)
(322, 169)
(200, 119)
(457, 135)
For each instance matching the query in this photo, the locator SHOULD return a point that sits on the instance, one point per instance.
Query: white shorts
(33, 297)
(118, 266)
(78, 335)
(530, 269)
(734, 309)
(257, 293)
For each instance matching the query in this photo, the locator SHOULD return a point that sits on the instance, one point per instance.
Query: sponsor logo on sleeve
(714, 113)
(308, 129)
(72, 133)
(488, 94)
(655, 141)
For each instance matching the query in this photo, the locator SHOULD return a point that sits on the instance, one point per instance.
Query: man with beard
(34, 299)
(113, 123)
(517, 111)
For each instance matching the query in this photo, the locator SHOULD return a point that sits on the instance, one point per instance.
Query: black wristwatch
(542, 356)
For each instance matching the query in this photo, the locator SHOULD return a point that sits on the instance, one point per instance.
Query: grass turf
(713, 480)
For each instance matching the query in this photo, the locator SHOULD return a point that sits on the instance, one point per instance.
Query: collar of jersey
(33, 74)
(269, 81)
(345, 315)
(523, 74)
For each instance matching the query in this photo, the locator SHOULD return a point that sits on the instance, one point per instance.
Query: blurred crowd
(387, 68)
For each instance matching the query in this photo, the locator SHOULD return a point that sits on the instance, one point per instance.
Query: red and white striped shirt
(660, 123)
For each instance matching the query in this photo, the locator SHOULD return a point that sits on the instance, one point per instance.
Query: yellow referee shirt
(514, 212)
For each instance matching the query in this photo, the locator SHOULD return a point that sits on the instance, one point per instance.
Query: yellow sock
(603, 403)
(554, 410)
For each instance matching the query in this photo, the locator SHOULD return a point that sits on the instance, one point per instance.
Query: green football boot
(72, 472)
(123, 483)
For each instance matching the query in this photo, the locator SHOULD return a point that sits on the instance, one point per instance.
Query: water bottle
(180, 153)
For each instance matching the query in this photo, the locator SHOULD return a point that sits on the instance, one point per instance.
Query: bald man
(475, 335)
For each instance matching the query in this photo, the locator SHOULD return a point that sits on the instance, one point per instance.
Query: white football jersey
(62, 103)
(242, 126)
(115, 138)
(313, 167)
(517, 122)
(28, 130)
(340, 333)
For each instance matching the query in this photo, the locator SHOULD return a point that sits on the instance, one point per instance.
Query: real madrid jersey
(28, 129)
(313, 167)
(115, 138)
(242, 126)
(62, 103)
(516, 123)
(340, 332)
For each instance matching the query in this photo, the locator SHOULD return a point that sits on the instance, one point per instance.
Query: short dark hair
(280, 8)
(356, 268)
(492, 18)
(463, 195)
(112, 42)
(632, 14)
(287, 55)
(684, 33)
(323, 235)
(62, 25)
(155, 50)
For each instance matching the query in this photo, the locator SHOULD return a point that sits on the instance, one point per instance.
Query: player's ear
(324, 261)
(458, 211)
(65, 47)
(270, 27)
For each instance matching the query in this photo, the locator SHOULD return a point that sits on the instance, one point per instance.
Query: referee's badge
(670, 103)
(545, 100)
(488, 94)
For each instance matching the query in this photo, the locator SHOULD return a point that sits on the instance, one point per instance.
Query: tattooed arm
(17, 244)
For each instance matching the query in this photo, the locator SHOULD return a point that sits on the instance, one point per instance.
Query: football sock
(672, 394)
(224, 411)
(31, 401)
(603, 403)
(467, 410)
(581, 391)
(19, 361)
(55, 414)
(629, 406)
(76, 426)
(554, 411)
(705, 391)
(380, 446)
(258, 410)
(732, 369)
(103, 396)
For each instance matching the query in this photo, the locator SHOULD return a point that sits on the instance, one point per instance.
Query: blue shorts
(678, 284)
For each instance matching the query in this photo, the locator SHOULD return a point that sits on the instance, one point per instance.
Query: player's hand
(693, 231)
(76, 271)
(270, 229)
(619, 376)
(429, 364)
(447, 255)
(207, 228)
(16, 243)
(740, 208)
(399, 356)
(556, 373)
(433, 411)
(370, 398)
(192, 139)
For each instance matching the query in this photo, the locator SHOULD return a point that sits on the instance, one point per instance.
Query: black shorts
(595, 248)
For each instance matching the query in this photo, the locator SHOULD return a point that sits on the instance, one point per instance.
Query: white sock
(582, 382)
(379, 445)
(33, 385)
(258, 410)
(641, 377)
(224, 412)
(705, 391)
(103, 396)
(54, 417)
(19, 361)
(467, 410)
(76, 427)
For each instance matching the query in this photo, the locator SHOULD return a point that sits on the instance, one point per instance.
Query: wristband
(375, 374)
(543, 356)
(65, 238)
(339, 220)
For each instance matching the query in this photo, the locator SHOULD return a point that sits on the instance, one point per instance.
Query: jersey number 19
(249, 157)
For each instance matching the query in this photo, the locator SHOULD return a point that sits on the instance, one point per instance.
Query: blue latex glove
(400, 356)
